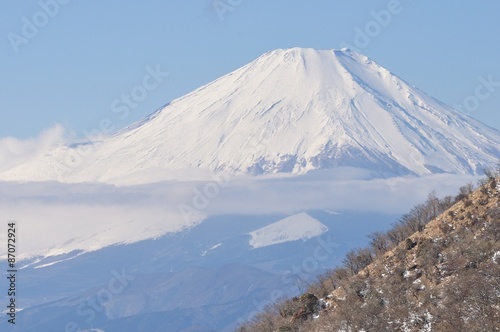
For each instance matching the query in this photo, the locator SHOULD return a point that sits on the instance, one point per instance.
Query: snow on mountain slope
(297, 227)
(291, 110)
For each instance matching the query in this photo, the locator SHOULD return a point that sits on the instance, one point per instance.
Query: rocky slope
(443, 277)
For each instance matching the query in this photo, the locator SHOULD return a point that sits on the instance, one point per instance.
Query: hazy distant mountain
(292, 111)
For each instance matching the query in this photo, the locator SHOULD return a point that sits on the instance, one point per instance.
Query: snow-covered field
(297, 227)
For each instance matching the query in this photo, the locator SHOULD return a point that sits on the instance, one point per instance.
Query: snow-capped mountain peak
(291, 110)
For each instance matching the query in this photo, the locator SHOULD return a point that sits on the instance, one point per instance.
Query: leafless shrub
(464, 192)
(379, 243)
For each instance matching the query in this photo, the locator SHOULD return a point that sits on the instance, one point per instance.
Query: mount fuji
(251, 239)
(289, 111)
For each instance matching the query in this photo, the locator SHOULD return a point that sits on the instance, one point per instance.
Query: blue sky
(70, 62)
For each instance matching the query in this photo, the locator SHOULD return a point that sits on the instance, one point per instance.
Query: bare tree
(379, 243)
(356, 260)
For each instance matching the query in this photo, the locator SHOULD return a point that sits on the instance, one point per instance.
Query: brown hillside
(437, 269)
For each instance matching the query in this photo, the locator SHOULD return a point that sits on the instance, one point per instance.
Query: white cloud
(14, 151)
(293, 195)
(57, 218)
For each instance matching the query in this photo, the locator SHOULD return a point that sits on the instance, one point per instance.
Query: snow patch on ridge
(297, 227)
